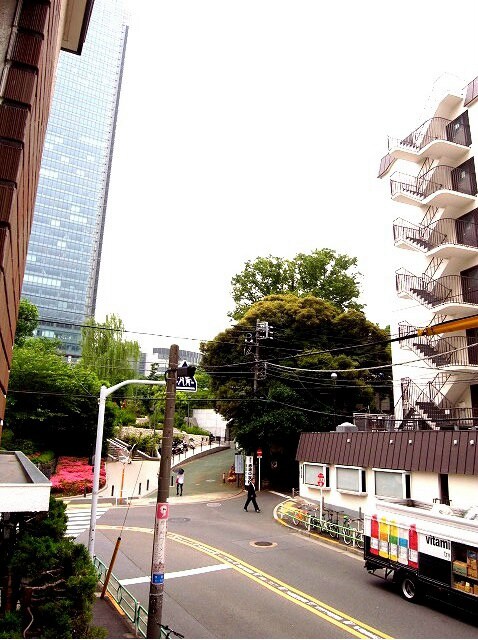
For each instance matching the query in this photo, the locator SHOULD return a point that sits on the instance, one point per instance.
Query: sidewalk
(108, 615)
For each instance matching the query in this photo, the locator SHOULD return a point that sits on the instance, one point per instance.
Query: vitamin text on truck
(424, 551)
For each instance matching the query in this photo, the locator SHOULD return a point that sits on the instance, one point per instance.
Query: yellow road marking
(313, 605)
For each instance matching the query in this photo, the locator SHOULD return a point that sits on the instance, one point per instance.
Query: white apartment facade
(430, 177)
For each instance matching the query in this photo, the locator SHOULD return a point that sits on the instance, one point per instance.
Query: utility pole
(263, 331)
(156, 587)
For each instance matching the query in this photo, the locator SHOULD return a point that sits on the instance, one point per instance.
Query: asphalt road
(231, 574)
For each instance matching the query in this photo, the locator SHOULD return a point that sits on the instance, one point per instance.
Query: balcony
(444, 238)
(450, 295)
(436, 138)
(455, 419)
(441, 186)
(453, 353)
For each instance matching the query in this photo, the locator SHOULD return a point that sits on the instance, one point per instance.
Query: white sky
(256, 128)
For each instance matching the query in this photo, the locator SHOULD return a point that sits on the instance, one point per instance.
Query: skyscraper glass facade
(64, 252)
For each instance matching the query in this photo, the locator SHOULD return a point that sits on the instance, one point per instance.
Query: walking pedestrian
(251, 496)
(179, 482)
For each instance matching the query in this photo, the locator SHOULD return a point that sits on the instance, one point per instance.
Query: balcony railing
(458, 419)
(436, 179)
(444, 231)
(435, 292)
(452, 351)
(430, 131)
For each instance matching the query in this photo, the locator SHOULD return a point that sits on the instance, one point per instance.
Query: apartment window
(310, 473)
(351, 479)
(392, 484)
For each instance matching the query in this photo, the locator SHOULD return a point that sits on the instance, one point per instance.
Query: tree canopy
(322, 273)
(27, 321)
(105, 351)
(51, 404)
(295, 391)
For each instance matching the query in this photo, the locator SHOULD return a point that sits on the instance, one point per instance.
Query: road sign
(320, 479)
(259, 453)
(162, 510)
(185, 382)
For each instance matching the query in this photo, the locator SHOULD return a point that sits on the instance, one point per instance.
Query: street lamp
(333, 376)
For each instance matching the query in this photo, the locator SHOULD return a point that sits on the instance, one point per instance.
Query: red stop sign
(320, 479)
(259, 453)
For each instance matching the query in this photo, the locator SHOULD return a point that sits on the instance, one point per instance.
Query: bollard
(172, 481)
(224, 478)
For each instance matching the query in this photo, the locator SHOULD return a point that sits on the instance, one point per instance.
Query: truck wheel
(409, 588)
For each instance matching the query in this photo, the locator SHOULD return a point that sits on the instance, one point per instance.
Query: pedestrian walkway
(79, 519)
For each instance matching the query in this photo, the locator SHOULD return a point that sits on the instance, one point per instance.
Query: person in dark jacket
(251, 496)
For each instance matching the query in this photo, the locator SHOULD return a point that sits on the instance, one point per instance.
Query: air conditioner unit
(442, 509)
(472, 513)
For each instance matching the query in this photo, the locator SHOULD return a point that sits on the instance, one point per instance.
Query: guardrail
(133, 610)
(335, 524)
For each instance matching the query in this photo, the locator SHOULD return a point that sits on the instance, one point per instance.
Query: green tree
(51, 404)
(27, 321)
(322, 273)
(105, 351)
(312, 338)
(53, 579)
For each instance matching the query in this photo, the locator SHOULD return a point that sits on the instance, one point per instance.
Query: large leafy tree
(105, 351)
(322, 273)
(295, 391)
(51, 404)
(51, 577)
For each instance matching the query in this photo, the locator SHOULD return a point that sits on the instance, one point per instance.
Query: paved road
(233, 574)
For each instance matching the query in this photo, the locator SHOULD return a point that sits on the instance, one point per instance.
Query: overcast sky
(256, 128)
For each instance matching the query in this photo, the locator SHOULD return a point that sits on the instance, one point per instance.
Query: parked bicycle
(352, 531)
(330, 522)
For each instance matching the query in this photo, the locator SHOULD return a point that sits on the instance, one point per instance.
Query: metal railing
(458, 419)
(444, 231)
(335, 524)
(433, 292)
(430, 131)
(436, 179)
(133, 610)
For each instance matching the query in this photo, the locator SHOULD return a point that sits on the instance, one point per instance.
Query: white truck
(426, 552)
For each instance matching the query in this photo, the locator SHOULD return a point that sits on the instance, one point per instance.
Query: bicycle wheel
(333, 529)
(347, 535)
(359, 539)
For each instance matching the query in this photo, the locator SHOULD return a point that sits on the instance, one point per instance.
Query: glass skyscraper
(61, 276)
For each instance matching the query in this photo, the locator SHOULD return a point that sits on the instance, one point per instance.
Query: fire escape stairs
(432, 353)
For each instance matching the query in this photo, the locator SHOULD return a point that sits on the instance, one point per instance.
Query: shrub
(73, 475)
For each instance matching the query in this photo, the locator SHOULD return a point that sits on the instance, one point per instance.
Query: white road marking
(177, 574)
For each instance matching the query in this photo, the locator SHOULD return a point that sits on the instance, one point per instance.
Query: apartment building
(426, 450)
(430, 176)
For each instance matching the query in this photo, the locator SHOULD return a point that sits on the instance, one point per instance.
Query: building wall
(30, 34)
(424, 488)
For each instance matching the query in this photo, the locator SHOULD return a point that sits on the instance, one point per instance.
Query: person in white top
(179, 482)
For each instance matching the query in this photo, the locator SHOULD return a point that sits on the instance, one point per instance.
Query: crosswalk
(79, 519)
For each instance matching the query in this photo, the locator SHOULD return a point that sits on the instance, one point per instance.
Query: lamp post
(333, 377)
(104, 393)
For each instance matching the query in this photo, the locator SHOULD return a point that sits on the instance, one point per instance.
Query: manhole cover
(179, 519)
(263, 543)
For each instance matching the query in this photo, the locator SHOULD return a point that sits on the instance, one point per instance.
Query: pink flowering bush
(72, 475)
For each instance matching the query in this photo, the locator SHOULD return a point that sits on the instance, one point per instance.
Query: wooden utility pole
(156, 587)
